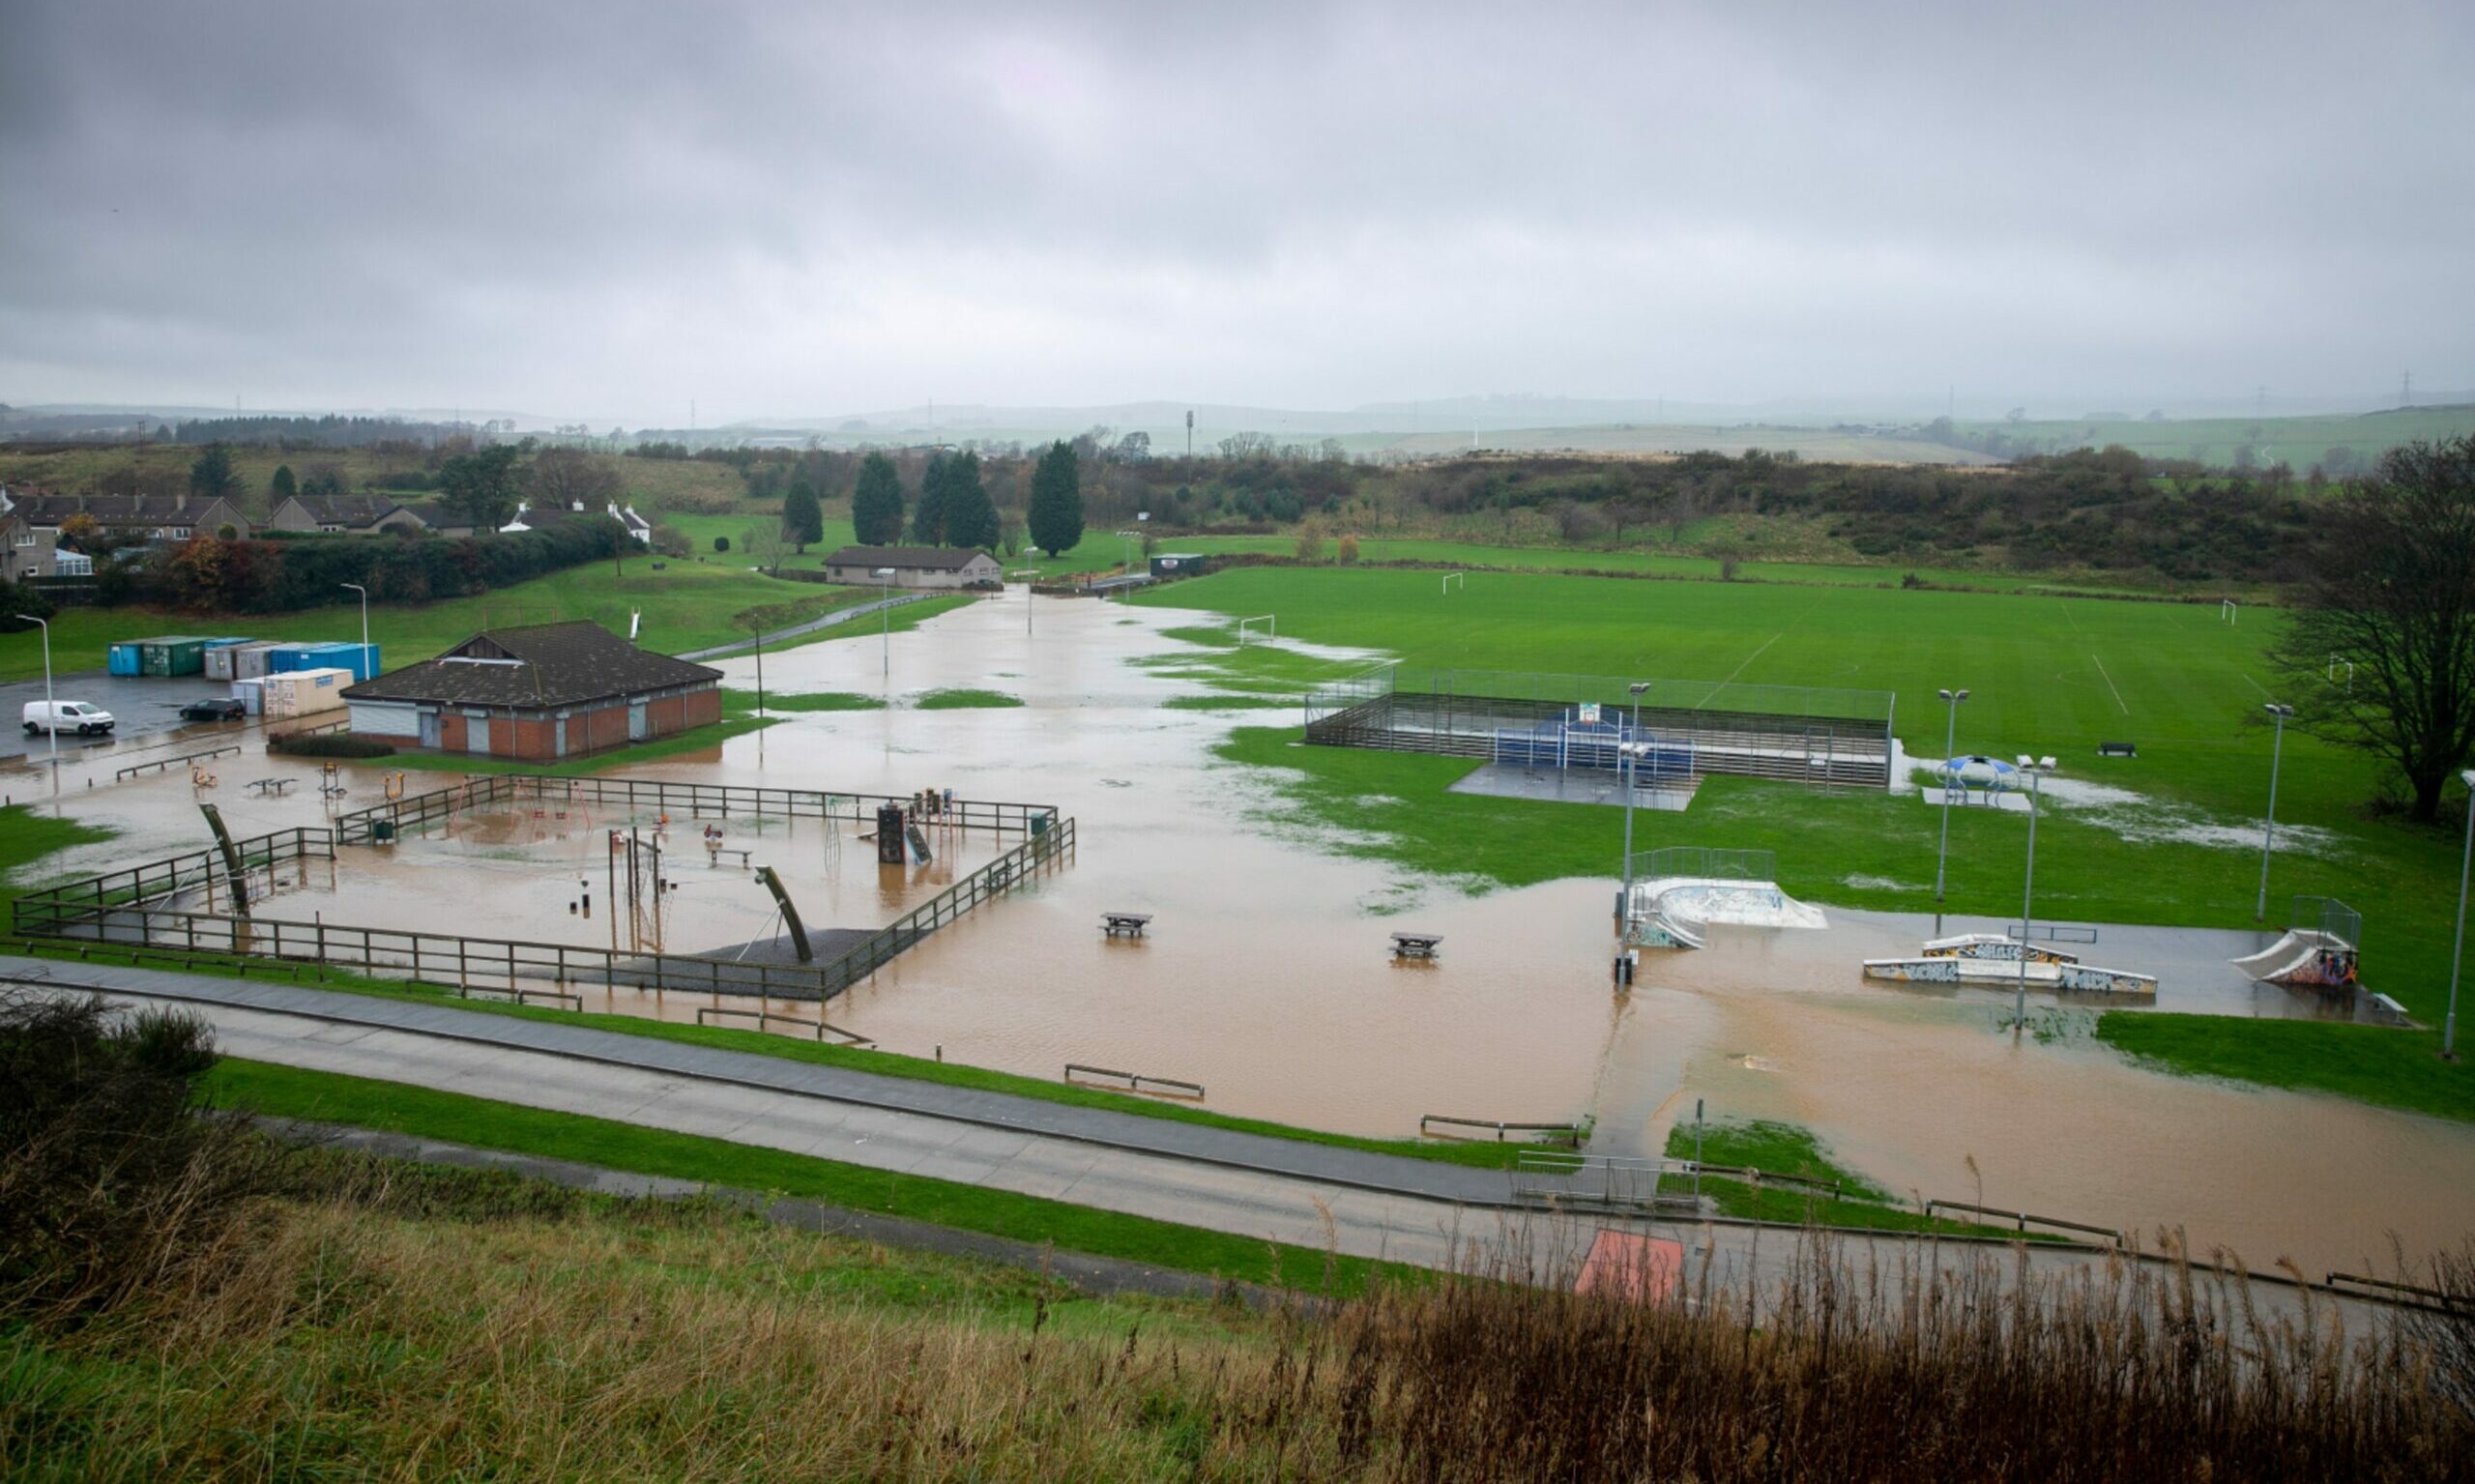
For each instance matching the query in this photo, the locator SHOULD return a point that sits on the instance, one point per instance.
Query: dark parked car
(213, 709)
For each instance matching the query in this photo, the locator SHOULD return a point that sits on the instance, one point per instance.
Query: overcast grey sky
(607, 210)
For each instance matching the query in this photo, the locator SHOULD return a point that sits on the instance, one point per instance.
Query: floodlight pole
(1627, 755)
(1950, 774)
(51, 716)
(1031, 576)
(2269, 830)
(2458, 945)
(2036, 769)
(884, 621)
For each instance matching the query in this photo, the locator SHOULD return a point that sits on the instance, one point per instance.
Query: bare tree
(571, 478)
(765, 544)
(2391, 592)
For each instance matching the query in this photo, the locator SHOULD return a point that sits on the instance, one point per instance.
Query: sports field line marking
(2257, 685)
(2110, 685)
(1749, 659)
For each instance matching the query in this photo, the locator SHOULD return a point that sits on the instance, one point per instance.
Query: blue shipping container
(362, 665)
(128, 658)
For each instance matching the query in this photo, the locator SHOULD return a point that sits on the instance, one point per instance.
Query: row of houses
(30, 524)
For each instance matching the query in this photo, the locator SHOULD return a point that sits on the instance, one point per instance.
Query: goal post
(1246, 628)
(2225, 609)
(1452, 578)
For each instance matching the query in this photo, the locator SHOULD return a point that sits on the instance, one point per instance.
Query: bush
(1348, 551)
(1310, 546)
(330, 744)
(107, 1177)
(721, 543)
(670, 541)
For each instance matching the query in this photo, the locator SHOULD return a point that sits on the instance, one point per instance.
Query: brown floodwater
(1267, 975)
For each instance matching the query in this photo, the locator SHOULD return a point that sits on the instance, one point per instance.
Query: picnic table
(1416, 945)
(1125, 924)
(272, 785)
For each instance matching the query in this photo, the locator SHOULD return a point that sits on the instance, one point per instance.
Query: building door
(429, 729)
(476, 732)
(639, 725)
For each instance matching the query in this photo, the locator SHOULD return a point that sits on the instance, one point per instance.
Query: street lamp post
(884, 623)
(52, 717)
(1031, 576)
(2270, 830)
(2458, 945)
(2036, 769)
(1950, 775)
(365, 623)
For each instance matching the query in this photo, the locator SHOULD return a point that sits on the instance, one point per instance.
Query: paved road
(837, 616)
(1351, 1201)
(142, 706)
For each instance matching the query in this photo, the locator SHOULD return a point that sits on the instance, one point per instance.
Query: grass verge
(964, 698)
(286, 1092)
(808, 701)
(1788, 1148)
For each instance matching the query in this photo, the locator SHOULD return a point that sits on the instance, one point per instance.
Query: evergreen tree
(281, 487)
(1055, 515)
(213, 475)
(928, 517)
(802, 518)
(971, 516)
(876, 502)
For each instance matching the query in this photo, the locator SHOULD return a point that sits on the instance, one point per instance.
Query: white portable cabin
(306, 692)
(252, 693)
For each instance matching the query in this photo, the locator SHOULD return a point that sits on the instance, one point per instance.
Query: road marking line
(2110, 685)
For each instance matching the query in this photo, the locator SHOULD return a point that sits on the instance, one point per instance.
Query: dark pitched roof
(124, 509)
(346, 510)
(540, 664)
(935, 558)
(434, 514)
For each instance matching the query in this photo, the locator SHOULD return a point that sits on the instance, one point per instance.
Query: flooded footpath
(1267, 972)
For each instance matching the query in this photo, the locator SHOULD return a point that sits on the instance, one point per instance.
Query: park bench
(271, 785)
(2116, 749)
(1125, 924)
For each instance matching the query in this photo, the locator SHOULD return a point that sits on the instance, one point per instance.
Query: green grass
(1789, 1148)
(284, 1091)
(2357, 1062)
(1231, 703)
(804, 701)
(683, 607)
(2053, 675)
(701, 738)
(28, 835)
(963, 698)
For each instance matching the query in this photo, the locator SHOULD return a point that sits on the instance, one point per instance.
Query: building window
(25, 538)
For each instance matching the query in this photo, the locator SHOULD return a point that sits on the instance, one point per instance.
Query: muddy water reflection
(1267, 977)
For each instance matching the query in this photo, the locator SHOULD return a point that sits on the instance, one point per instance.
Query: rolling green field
(1104, 554)
(686, 606)
(2301, 441)
(2046, 674)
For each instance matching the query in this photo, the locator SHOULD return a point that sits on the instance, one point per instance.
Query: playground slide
(2305, 957)
(918, 844)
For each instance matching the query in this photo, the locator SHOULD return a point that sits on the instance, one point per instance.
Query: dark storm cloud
(607, 210)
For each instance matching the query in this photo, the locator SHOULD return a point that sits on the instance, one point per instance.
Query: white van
(67, 716)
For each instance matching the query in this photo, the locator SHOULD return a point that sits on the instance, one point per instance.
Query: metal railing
(1137, 1082)
(999, 875)
(115, 908)
(764, 1018)
(2327, 915)
(134, 769)
(693, 801)
(1570, 1132)
(35, 912)
(1573, 1178)
(1613, 692)
(2023, 1220)
(1707, 862)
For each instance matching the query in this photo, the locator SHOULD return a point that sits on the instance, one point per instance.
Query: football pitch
(2171, 838)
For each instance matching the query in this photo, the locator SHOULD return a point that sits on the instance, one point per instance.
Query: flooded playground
(1265, 974)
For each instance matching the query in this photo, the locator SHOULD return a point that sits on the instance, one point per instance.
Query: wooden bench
(2116, 749)
(1125, 924)
(271, 785)
(1416, 945)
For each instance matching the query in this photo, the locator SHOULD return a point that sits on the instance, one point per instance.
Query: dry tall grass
(409, 1330)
